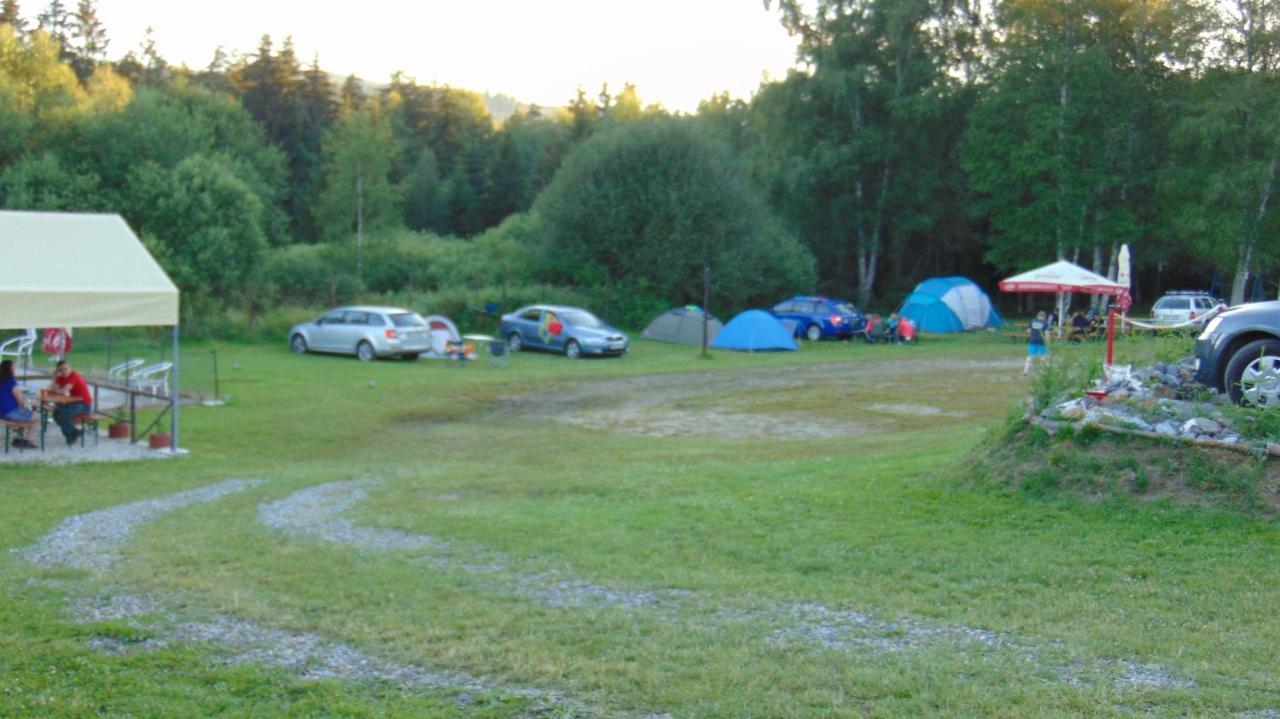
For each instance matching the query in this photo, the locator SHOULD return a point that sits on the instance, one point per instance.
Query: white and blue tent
(950, 304)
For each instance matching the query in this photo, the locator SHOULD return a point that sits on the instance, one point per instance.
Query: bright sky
(676, 52)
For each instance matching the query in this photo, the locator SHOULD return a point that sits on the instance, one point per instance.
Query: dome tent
(754, 331)
(682, 325)
(949, 304)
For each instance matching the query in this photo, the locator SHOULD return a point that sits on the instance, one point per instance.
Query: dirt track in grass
(754, 404)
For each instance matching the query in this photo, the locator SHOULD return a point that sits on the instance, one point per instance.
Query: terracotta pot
(118, 430)
(160, 441)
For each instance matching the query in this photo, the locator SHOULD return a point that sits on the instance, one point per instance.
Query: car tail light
(1193, 314)
(391, 334)
(836, 319)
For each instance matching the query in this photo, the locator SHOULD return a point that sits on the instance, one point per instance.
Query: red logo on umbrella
(57, 341)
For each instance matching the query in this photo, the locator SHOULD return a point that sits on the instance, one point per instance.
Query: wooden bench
(87, 422)
(10, 428)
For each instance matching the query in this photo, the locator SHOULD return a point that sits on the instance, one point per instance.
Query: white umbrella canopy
(1063, 276)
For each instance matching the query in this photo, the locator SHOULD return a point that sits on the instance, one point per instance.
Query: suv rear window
(407, 319)
(1173, 303)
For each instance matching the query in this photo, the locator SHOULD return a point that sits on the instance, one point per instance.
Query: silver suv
(366, 332)
(1177, 308)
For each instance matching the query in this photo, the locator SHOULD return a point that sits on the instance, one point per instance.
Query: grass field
(780, 535)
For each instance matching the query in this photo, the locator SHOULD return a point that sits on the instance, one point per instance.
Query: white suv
(1177, 308)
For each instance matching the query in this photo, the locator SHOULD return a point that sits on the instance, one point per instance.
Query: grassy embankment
(878, 521)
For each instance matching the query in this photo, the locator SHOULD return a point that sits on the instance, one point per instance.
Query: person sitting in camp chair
(906, 331)
(876, 330)
(458, 351)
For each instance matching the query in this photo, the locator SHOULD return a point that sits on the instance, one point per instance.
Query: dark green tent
(683, 326)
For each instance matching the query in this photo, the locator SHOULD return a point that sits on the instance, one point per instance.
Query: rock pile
(1157, 399)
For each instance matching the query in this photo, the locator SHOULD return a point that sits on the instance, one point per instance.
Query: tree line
(913, 138)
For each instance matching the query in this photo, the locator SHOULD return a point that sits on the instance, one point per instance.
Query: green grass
(875, 523)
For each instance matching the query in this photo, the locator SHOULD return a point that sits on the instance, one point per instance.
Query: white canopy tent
(83, 270)
(1063, 276)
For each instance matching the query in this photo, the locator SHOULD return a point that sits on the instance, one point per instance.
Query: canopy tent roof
(79, 270)
(1063, 276)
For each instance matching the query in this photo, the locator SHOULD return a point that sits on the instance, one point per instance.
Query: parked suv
(818, 317)
(1239, 353)
(1180, 307)
(366, 332)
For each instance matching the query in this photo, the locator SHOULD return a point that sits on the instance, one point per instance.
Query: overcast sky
(676, 52)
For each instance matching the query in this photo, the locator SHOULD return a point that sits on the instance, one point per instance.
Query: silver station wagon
(366, 332)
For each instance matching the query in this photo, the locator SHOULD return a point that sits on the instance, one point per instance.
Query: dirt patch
(728, 404)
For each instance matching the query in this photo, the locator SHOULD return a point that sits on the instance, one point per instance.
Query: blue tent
(949, 304)
(754, 331)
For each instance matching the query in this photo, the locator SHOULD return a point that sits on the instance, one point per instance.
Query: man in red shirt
(73, 397)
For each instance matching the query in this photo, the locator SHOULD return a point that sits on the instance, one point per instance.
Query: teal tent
(949, 304)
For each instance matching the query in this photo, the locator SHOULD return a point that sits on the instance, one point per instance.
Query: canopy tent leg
(173, 396)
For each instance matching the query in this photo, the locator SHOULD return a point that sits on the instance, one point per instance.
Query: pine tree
(351, 97)
(90, 42)
(56, 21)
(10, 15)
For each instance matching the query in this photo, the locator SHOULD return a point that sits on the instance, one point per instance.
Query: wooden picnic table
(132, 392)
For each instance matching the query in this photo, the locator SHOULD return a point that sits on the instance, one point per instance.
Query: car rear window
(1173, 303)
(408, 319)
(845, 308)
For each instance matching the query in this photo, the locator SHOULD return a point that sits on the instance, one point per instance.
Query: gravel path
(57, 453)
(314, 512)
(93, 541)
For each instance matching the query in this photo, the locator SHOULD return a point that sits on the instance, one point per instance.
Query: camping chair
(122, 372)
(498, 354)
(19, 347)
(153, 378)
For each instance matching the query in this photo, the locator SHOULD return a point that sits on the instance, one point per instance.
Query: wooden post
(706, 303)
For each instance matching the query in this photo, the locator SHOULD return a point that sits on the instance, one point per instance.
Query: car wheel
(365, 352)
(298, 344)
(813, 334)
(572, 349)
(515, 342)
(1253, 374)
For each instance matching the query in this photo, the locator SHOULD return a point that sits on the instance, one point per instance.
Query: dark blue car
(818, 317)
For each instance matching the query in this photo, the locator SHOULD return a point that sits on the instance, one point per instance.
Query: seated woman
(906, 330)
(13, 406)
(1081, 327)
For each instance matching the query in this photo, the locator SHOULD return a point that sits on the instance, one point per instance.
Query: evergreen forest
(912, 138)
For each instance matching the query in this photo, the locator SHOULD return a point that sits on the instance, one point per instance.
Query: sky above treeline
(676, 52)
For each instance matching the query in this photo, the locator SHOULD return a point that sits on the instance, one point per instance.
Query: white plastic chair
(123, 372)
(154, 378)
(19, 347)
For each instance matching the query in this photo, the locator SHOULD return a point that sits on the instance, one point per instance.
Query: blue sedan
(818, 317)
(571, 330)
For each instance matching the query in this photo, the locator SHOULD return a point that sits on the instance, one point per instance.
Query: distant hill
(500, 106)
